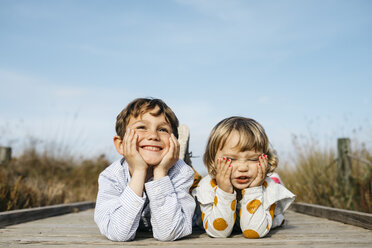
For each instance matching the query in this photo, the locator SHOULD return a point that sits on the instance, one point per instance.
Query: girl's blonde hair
(252, 137)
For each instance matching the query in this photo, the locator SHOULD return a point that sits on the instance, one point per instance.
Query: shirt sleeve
(218, 208)
(117, 212)
(171, 205)
(255, 220)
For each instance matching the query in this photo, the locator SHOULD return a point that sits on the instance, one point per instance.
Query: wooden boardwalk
(79, 230)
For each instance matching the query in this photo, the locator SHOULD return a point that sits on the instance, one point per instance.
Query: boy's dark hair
(140, 106)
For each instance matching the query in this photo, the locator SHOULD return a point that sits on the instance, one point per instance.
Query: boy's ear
(118, 142)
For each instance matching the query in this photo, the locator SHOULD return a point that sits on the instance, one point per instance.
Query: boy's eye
(164, 130)
(232, 159)
(253, 159)
(141, 127)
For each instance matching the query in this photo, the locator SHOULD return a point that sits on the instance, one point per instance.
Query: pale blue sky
(67, 68)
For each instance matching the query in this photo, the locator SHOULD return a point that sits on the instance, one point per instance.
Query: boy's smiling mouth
(151, 148)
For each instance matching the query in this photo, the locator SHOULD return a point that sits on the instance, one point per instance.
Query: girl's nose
(242, 167)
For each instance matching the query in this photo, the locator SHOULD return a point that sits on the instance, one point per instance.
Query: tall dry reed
(313, 177)
(36, 179)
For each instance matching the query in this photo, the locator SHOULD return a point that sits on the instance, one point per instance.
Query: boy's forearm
(172, 208)
(137, 181)
(117, 212)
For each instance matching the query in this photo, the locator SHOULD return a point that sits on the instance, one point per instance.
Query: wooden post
(344, 164)
(5, 155)
(183, 139)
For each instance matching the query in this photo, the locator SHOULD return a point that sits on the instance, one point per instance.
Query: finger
(261, 167)
(264, 163)
(134, 141)
(218, 162)
(171, 146)
(176, 146)
(223, 165)
(127, 138)
(228, 169)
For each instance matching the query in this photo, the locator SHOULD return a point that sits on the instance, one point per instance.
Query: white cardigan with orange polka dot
(260, 209)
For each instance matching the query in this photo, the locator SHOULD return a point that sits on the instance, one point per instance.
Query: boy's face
(153, 136)
(244, 164)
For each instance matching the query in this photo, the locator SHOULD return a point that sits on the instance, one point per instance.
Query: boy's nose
(153, 135)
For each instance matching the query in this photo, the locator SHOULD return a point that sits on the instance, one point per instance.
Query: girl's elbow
(252, 234)
(218, 234)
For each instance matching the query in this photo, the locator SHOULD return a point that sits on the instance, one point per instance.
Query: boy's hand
(131, 154)
(170, 158)
(224, 169)
(261, 171)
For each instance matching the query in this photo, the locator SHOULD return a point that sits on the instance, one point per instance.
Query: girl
(238, 160)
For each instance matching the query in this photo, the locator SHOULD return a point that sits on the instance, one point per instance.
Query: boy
(148, 187)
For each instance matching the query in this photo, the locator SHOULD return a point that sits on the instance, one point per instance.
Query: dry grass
(36, 179)
(41, 178)
(314, 178)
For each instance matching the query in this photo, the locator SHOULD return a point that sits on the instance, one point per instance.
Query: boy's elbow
(113, 234)
(118, 236)
(172, 235)
(164, 237)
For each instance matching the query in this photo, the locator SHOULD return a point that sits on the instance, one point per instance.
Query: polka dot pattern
(202, 215)
(265, 184)
(215, 200)
(251, 234)
(213, 183)
(272, 210)
(233, 204)
(253, 205)
(206, 225)
(219, 224)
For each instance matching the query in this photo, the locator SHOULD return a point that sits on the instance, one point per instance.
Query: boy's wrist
(159, 173)
(139, 172)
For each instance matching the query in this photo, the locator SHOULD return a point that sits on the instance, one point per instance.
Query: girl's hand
(224, 169)
(261, 171)
(170, 158)
(131, 154)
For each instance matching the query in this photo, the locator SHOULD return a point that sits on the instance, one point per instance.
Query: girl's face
(244, 164)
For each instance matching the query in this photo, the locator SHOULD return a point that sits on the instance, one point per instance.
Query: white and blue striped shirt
(166, 204)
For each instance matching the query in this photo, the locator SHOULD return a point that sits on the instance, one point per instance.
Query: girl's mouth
(242, 180)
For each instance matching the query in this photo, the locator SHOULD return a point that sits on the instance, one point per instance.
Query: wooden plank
(79, 230)
(23, 215)
(345, 216)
